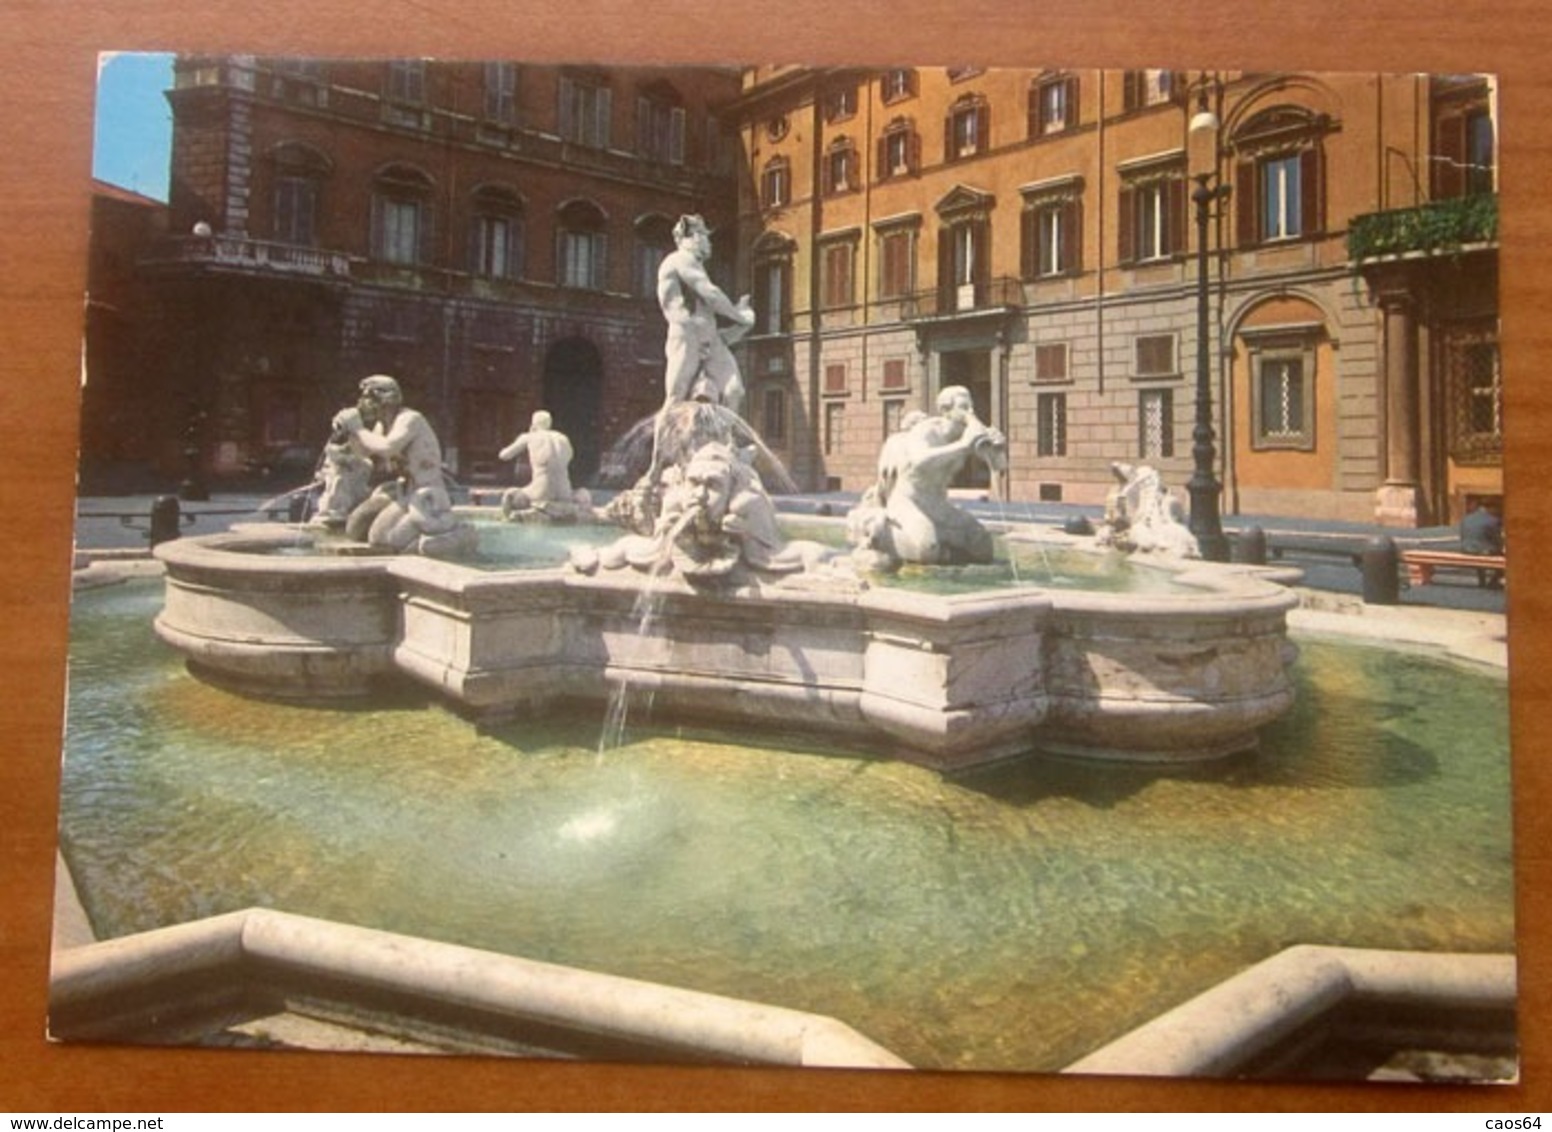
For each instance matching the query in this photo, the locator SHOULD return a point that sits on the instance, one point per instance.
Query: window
(586, 106)
(1148, 88)
(836, 273)
(897, 84)
(964, 253)
(1280, 198)
(773, 415)
(776, 183)
(1479, 152)
(582, 247)
(896, 262)
(1278, 189)
(501, 93)
(1051, 362)
(301, 81)
(296, 210)
(401, 216)
(894, 415)
(299, 172)
(1153, 214)
(1475, 383)
(834, 426)
(660, 125)
(401, 220)
(1283, 200)
(407, 81)
(840, 104)
(497, 248)
(894, 374)
(1051, 424)
(1156, 424)
(1052, 229)
(1463, 158)
(1053, 105)
(835, 378)
(899, 150)
(772, 276)
(1155, 355)
(967, 130)
(654, 240)
(841, 167)
(1281, 401)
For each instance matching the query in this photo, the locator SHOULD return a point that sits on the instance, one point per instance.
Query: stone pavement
(1319, 548)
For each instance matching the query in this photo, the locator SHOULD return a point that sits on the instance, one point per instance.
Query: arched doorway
(572, 392)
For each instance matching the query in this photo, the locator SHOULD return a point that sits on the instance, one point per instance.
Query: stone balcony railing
(1439, 227)
(241, 253)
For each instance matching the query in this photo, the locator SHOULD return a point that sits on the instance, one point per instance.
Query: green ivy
(1446, 225)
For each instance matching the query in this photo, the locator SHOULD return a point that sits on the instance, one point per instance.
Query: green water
(1014, 919)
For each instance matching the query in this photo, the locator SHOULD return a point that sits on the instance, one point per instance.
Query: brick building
(1030, 234)
(124, 226)
(486, 232)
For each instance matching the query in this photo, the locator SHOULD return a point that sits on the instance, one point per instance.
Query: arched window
(496, 233)
(1279, 185)
(401, 216)
(654, 240)
(966, 128)
(582, 246)
(899, 149)
(841, 167)
(776, 183)
(299, 172)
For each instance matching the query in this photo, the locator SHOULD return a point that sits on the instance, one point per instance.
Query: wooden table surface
(45, 137)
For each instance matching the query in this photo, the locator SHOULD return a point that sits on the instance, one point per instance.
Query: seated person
(1481, 532)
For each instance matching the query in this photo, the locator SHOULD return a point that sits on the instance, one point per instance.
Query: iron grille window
(1475, 381)
(1051, 424)
(1156, 424)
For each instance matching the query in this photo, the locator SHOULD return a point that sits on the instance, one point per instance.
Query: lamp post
(1203, 486)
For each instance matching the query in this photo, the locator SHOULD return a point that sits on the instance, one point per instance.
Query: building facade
(488, 233)
(1031, 234)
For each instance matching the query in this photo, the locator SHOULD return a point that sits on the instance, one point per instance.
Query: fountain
(708, 607)
(749, 627)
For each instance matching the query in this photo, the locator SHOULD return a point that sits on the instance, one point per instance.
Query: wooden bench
(1420, 564)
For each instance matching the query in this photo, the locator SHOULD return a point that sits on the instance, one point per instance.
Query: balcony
(244, 255)
(967, 300)
(1441, 227)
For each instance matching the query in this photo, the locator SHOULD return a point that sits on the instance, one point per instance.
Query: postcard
(934, 567)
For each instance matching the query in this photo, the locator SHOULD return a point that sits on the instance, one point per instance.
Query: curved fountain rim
(246, 546)
(1222, 589)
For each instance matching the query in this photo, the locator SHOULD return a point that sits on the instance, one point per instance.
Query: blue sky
(132, 141)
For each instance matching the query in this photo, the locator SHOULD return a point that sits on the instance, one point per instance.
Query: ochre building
(1032, 234)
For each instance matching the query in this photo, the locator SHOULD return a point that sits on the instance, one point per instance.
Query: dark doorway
(573, 389)
(973, 370)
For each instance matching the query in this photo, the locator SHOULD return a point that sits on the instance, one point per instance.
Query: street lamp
(1203, 486)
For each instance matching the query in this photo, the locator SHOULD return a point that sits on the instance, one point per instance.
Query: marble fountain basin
(947, 681)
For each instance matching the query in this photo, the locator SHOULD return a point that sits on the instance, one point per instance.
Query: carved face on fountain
(696, 504)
